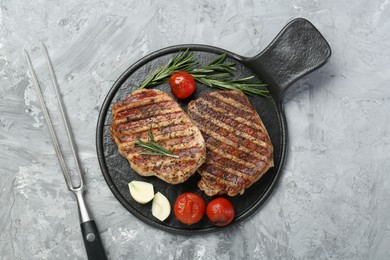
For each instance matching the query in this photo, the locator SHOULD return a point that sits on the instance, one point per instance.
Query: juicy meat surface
(239, 150)
(171, 128)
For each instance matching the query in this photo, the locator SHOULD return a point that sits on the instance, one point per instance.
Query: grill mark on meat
(248, 113)
(214, 101)
(229, 100)
(234, 178)
(176, 168)
(173, 141)
(228, 174)
(141, 102)
(225, 109)
(215, 183)
(212, 184)
(239, 150)
(151, 160)
(151, 123)
(241, 99)
(224, 135)
(233, 161)
(231, 124)
(154, 110)
(132, 98)
(147, 110)
(134, 121)
(162, 138)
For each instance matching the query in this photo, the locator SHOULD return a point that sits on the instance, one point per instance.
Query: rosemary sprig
(216, 74)
(239, 84)
(181, 61)
(216, 65)
(153, 147)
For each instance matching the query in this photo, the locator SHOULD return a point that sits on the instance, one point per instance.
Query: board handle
(295, 52)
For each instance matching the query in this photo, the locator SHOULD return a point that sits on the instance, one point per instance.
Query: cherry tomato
(220, 211)
(189, 208)
(182, 84)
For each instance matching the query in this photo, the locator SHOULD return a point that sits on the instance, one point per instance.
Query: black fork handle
(92, 241)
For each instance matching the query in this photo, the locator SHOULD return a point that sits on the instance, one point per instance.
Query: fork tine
(64, 116)
(52, 132)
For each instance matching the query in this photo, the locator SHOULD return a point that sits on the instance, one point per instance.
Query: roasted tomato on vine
(220, 212)
(182, 84)
(189, 208)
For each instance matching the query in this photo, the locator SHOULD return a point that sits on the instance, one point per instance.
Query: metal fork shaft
(64, 118)
(52, 132)
(91, 236)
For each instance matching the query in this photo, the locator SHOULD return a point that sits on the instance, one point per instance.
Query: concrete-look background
(333, 197)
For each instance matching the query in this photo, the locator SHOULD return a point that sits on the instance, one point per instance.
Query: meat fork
(91, 237)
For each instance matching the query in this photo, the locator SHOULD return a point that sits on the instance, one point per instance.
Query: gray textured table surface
(333, 198)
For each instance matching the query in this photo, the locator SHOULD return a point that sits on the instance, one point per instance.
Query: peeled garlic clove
(142, 192)
(161, 208)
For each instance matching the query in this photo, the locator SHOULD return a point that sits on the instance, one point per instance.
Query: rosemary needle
(153, 147)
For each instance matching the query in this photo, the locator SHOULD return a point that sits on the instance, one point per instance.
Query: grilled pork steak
(239, 150)
(171, 128)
